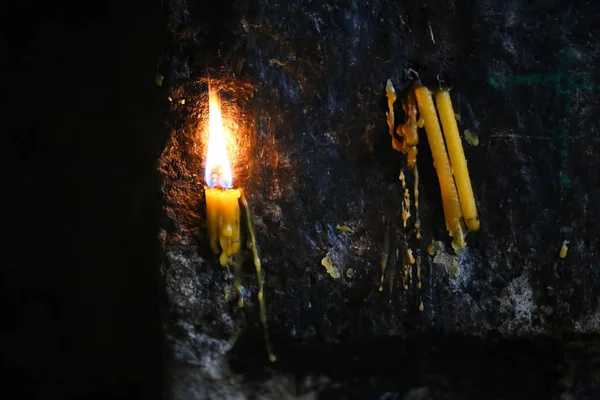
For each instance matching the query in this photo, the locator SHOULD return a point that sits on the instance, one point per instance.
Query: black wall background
(80, 139)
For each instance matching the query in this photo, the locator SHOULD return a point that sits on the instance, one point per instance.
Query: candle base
(223, 220)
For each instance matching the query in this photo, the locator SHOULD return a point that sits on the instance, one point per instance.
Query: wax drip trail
(416, 194)
(384, 254)
(257, 265)
(238, 279)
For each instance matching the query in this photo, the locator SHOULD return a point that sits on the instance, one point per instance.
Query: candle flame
(218, 168)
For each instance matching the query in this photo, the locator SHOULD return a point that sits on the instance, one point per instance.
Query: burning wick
(216, 177)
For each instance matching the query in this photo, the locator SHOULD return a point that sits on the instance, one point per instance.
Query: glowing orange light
(217, 172)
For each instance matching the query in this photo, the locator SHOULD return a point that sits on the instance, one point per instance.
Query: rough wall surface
(303, 86)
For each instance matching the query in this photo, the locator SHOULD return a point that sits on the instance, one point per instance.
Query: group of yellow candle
(460, 210)
(451, 166)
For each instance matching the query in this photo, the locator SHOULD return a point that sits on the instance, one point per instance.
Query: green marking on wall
(566, 84)
(581, 81)
(501, 82)
(564, 96)
(498, 82)
(565, 181)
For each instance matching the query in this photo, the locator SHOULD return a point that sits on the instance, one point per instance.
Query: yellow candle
(223, 209)
(223, 220)
(457, 159)
(441, 162)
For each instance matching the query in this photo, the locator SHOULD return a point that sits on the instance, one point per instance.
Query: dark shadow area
(449, 366)
(80, 140)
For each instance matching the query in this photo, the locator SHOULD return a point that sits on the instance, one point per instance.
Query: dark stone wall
(304, 83)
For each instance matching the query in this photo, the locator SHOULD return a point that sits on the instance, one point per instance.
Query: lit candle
(450, 201)
(457, 159)
(222, 208)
